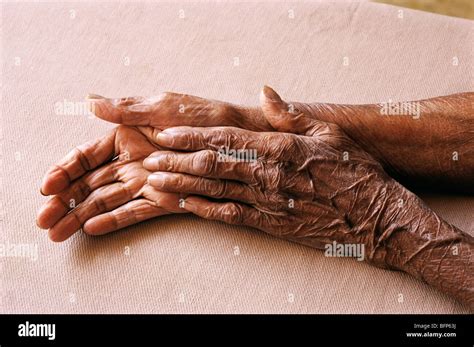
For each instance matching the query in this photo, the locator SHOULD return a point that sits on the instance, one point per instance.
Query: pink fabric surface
(345, 53)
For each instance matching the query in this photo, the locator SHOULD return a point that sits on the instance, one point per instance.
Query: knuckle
(219, 189)
(277, 145)
(273, 179)
(170, 161)
(176, 180)
(187, 140)
(204, 163)
(204, 185)
(62, 199)
(232, 213)
(114, 171)
(127, 191)
(83, 153)
(100, 204)
(82, 189)
(128, 101)
(227, 136)
(182, 139)
(77, 216)
(209, 213)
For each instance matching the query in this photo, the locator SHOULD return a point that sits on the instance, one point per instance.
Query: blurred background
(454, 8)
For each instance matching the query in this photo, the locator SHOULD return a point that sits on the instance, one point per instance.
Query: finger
(133, 212)
(170, 109)
(101, 200)
(59, 205)
(80, 160)
(214, 138)
(233, 143)
(206, 164)
(220, 189)
(127, 111)
(150, 133)
(227, 212)
(287, 117)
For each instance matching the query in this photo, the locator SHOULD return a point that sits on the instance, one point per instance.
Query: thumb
(287, 117)
(128, 111)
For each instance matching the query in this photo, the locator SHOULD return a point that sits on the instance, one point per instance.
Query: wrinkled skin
(312, 189)
(300, 187)
(101, 186)
(418, 151)
(173, 109)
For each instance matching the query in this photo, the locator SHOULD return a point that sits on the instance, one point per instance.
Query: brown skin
(417, 151)
(435, 150)
(340, 192)
(101, 186)
(313, 189)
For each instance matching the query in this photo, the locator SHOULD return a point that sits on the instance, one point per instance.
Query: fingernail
(156, 179)
(94, 97)
(164, 139)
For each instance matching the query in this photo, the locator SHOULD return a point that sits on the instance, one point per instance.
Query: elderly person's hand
(423, 143)
(101, 186)
(173, 109)
(314, 186)
(313, 189)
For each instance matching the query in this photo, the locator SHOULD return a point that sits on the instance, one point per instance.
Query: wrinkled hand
(312, 189)
(173, 109)
(101, 186)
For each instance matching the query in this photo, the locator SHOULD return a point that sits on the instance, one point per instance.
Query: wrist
(413, 239)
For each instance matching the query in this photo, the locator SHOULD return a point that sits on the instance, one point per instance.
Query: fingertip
(55, 236)
(55, 181)
(271, 102)
(51, 212)
(46, 189)
(42, 218)
(95, 106)
(150, 163)
(64, 229)
(129, 110)
(41, 222)
(91, 227)
(270, 94)
(100, 225)
(94, 97)
(103, 108)
(158, 179)
(164, 139)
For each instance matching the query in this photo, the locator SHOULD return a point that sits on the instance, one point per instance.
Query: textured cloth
(54, 54)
